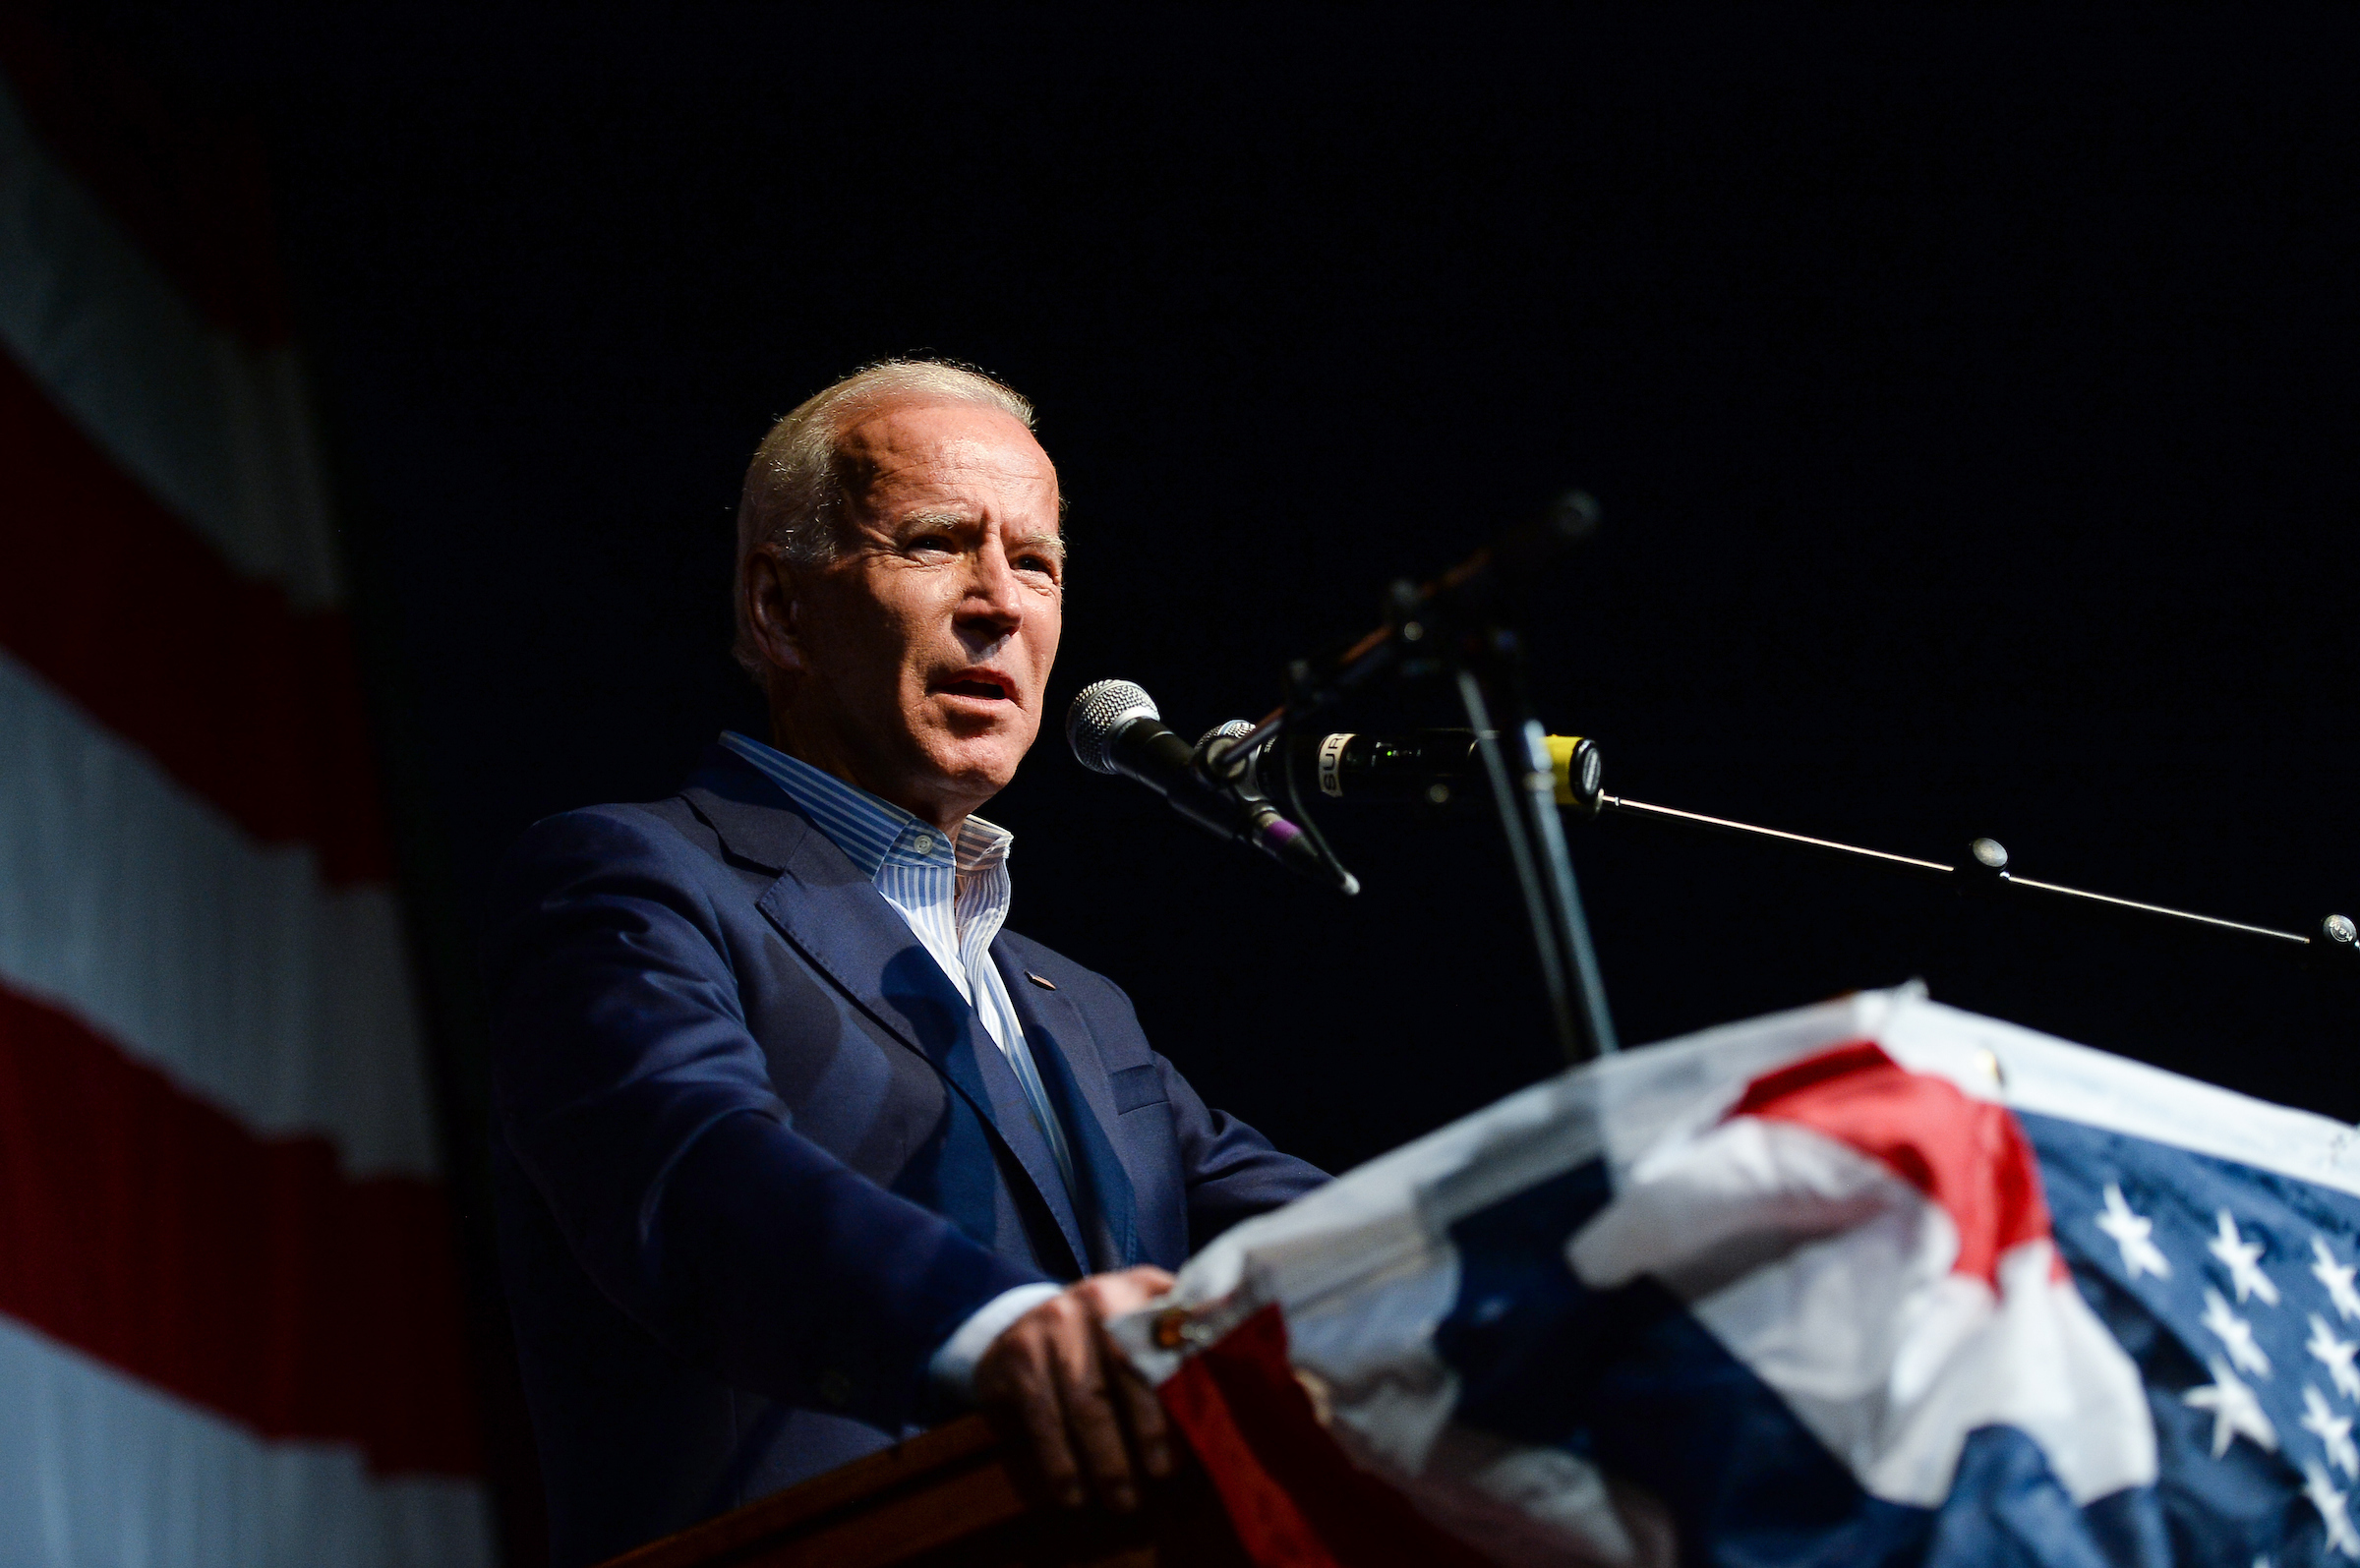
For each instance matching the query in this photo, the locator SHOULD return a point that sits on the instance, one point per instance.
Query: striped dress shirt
(954, 897)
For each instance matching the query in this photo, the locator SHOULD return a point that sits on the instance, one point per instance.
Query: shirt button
(924, 844)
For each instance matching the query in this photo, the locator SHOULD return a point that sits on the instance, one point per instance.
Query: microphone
(1114, 727)
(1427, 765)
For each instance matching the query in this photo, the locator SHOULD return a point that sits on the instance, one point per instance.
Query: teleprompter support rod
(2337, 937)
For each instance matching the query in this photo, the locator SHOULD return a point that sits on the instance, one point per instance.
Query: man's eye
(941, 542)
(1036, 564)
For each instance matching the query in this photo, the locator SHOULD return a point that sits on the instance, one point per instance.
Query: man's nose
(993, 593)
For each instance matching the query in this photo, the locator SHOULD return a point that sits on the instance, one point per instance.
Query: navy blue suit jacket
(757, 1158)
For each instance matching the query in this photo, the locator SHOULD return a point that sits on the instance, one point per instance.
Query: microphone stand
(1462, 623)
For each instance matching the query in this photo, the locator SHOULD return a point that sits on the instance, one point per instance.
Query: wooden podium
(949, 1497)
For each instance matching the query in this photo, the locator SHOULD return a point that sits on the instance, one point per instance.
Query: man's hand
(1056, 1377)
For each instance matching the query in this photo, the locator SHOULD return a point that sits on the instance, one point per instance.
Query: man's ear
(774, 610)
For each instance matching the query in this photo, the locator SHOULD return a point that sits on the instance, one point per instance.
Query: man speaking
(797, 1148)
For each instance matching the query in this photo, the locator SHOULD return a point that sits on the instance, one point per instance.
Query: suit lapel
(1066, 1053)
(838, 920)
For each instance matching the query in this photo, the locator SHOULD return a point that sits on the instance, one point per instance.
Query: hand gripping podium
(949, 1497)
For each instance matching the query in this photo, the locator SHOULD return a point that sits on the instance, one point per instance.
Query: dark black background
(1969, 395)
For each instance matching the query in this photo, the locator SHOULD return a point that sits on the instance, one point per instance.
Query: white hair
(794, 493)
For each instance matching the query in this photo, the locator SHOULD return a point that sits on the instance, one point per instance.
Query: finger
(1143, 1413)
(1089, 1416)
(1026, 1386)
(1127, 1291)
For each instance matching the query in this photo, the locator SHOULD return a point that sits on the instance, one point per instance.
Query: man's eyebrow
(935, 519)
(1053, 541)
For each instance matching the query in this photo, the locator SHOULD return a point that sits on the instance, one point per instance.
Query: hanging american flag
(1872, 1282)
(229, 1312)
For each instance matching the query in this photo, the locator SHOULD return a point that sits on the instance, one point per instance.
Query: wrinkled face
(927, 642)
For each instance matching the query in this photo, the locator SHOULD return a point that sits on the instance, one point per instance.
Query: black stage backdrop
(1971, 398)
(1971, 402)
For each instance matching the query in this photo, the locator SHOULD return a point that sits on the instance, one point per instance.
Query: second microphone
(1433, 766)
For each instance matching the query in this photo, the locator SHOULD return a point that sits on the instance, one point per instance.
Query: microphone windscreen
(1098, 713)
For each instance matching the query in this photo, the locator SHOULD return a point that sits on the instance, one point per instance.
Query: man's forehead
(915, 441)
(955, 463)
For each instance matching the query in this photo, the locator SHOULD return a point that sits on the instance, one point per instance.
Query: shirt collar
(870, 831)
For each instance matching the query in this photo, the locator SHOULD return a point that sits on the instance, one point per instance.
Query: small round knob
(2339, 928)
(1989, 854)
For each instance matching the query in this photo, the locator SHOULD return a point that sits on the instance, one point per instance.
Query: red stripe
(1292, 1495)
(1968, 1155)
(148, 1229)
(110, 598)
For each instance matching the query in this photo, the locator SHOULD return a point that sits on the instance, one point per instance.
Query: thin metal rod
(1642, 808)
(1998, 881)
(2157, 909)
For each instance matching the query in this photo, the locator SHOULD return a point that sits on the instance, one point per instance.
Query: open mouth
(980, 684)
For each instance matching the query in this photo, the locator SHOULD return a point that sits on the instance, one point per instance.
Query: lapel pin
(1044, 984)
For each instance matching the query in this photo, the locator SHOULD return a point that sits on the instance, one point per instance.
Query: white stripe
(99, 1469)
(218, 432)
(229, 966)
